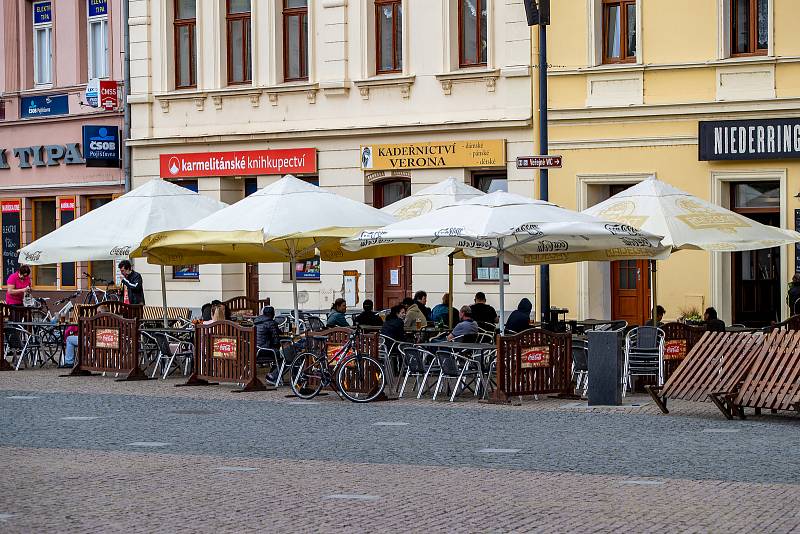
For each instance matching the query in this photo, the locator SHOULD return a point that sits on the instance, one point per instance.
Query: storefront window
(66, 206)
(250, 186)
(487, 269)
(186, 272)
(44, 222)
(100, 269)
(758, 195)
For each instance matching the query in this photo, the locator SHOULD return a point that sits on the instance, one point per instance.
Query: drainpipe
(126, 73)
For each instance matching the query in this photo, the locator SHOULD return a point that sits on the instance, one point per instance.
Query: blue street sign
(101, 146)
(98, 8)
(43, 106)
(42, 12)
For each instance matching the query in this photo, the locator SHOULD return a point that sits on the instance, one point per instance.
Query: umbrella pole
(653, 298)
(293, 272)
(164, 296)
(502, 291)
(450, 289)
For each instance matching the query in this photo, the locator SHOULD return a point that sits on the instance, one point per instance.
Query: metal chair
(169, 350)
(266, 355)
(644, 355)
(580, 364)
(450, 369)
(416, 363)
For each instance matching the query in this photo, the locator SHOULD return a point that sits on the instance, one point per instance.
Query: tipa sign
(532, 357)
(224, 348)
(106, 338)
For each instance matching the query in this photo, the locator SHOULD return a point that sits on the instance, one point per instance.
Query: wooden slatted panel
(774, 379)
(127, 311)
(366, 343)
(718, 362)
(514, 379)
(154, 313)
(121, 357)
(16, 314)
(225, 352)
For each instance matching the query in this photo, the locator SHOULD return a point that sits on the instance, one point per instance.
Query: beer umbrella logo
(623, 212)
(700, 217)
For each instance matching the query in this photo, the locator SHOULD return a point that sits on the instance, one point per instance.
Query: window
(487, 269)
(250, 186)
(472, 33)
(186, 272)
(239, 63)
(295, 40)
(44, 222)
(389, 36)
(185, 44)
(619, 31)
(42, 43)
(749, 27)
(66, 205)
(98, 38)
(105, 270)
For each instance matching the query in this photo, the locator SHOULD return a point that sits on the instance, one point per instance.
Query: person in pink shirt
(17, 285)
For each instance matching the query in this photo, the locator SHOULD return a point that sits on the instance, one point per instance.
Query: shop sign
(101, 146)
(749, 140)
(10, 211)
(98, 8)
(108, 95)
(42, 13)
(43, 156)
(439, 155)
(242, 163)
(43, 106)
(92, 93)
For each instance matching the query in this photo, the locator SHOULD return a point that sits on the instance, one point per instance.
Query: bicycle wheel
(111, 297)
(90, 298)
(361, 378)
(308, 375)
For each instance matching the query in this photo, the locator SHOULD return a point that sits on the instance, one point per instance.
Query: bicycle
(107, 294)
(43, 313)
(358, 377)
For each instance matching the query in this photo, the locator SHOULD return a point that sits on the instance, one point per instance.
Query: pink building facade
(58, 153)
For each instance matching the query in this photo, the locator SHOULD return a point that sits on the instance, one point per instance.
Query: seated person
(713, 323)
(268, 336)
(217, 313)
(368, 317)
(393, 327)
(71, 335)
(439, 313)
(482, 313)
(467, 327)
(336, 317)
(415, 314)
(520, 319)
(205, 312)
(660, 311)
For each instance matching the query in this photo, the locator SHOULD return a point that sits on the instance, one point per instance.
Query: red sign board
(10, 206)
(539, 162)
(106, 338)
(675, 349)
(535, 357)
(246, 162)
(108, 94)
(66, 204)
(224, 347)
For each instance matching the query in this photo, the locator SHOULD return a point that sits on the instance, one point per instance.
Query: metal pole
(544, 193)
(126, 73)
(654, 297)
(502, 290)
(164, 296)
(450, 290)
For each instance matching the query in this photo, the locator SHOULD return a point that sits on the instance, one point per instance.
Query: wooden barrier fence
(16, 314)
(239, 304)
(126, 311)
(679, 340)
(533, 362)
(225, 352)
(108, 343)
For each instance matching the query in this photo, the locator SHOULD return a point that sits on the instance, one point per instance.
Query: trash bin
(606, 361)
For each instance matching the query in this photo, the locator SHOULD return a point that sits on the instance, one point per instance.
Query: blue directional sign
(43, 106)
(98, 8)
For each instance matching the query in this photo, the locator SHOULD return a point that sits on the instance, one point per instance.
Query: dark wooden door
(630, 291)
(756, 281)
(251, 278)
(392, 275)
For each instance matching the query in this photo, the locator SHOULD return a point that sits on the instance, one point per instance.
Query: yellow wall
(678, 31)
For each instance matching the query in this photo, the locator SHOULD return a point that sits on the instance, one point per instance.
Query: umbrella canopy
(286, 221)
(688, 222)
(517, 230)
(444, 193)
(112, 231)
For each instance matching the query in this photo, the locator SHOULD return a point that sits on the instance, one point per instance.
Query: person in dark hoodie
(520, 318)
(793, 296)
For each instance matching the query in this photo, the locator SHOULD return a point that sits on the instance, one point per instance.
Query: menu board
(11, 211)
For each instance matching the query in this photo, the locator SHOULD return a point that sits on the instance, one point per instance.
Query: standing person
(713, 323)
(482, 313)
(368, 317)
(18, 285)
(336, 317)
(132, 281)
(520, 319)
(439, 312)
(393, 327)
(793, 295)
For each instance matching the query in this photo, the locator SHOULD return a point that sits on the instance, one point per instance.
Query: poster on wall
(307, 269)
(10, 210)
(66, 205)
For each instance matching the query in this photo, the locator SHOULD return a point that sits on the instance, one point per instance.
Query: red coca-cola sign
(535, 357)
(241, 163)
(675, 349)
(224, 347)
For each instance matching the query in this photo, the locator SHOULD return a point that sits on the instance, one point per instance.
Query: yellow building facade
(629, 84)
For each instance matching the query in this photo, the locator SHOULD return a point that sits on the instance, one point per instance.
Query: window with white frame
(42, 42)
(98, 38)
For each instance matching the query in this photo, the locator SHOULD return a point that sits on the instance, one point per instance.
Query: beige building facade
(301, 86)
(704, 95)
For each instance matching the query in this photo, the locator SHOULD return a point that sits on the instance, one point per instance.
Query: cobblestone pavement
(91, 454)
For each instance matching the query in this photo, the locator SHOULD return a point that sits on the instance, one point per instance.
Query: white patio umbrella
(517, 230)
(112, 231)
(445, 193)
(286, 221)
(687, 222)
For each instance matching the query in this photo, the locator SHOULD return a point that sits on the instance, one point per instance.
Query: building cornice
(641, 67)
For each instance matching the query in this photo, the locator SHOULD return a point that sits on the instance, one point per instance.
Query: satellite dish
(302, 297)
